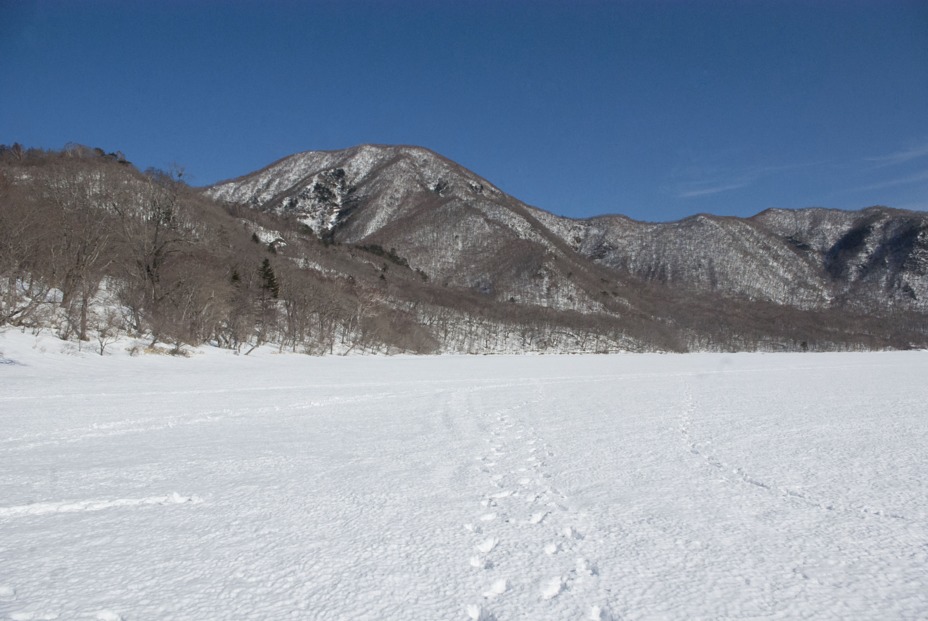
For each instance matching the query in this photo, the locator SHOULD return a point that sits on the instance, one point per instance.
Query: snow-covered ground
(563, 487)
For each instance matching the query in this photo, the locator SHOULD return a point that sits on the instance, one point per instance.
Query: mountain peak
(324, 189)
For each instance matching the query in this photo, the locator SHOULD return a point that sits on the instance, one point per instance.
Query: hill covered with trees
(395, 249)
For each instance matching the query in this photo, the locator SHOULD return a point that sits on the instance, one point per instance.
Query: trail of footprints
(520, 495)
(741, 476)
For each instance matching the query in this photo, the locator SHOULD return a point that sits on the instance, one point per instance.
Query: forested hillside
(395, 249)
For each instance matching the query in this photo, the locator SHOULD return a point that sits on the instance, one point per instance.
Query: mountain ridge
(789, 257)
(398, 249)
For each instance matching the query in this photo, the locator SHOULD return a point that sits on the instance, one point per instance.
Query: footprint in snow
(552, 588)
(570, 533)
(487, 545)
(496, 589)
(479, 563)
(585, 568)
(476, 613)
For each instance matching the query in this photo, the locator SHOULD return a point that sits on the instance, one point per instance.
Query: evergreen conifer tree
(268, 279)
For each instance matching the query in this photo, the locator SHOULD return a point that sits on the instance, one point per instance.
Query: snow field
(505, 487)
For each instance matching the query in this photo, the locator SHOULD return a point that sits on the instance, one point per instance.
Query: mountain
(465, 232)
(874, 260)
(446, 221)
(398, 249)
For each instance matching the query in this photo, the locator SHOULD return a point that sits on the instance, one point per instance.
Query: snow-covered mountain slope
(805, 258)
(463, 231)
(412, 253)
(456, 227)
(535, 487)
(872, 257)
(705, 253)
(355, 191)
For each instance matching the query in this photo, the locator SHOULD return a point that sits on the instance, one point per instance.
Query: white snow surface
(700, 486)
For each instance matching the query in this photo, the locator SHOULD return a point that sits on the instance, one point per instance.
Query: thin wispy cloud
(900, 157)
(707, 191)
(694, 182)
(891, 183)
(706, 180)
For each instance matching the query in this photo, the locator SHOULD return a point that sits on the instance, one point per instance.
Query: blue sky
(657, 110)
